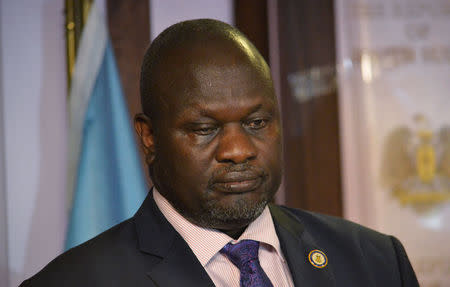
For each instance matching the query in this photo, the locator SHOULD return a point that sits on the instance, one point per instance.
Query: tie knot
(241, 253)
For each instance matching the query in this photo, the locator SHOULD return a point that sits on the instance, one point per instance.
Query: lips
(237, 182)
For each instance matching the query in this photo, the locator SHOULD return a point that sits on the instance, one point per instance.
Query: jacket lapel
(179, 268)
(173, 262)
(296, 244)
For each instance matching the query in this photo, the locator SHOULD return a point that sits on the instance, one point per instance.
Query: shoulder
(350, 245)
(92, 260)
(106, 244)
(317, 223)
(340, 238)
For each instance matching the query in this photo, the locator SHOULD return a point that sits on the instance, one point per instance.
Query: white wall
(34, 99)
(4, 274)
(164, 13)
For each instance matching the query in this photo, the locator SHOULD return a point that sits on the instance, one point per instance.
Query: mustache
(236, 172)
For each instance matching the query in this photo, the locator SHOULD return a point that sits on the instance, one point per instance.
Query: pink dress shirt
(206, 244)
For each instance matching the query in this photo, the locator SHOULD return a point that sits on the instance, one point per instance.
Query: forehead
(210, 87)
(212, 81)
(209, 72)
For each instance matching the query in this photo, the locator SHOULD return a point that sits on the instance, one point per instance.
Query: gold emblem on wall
(416, 165)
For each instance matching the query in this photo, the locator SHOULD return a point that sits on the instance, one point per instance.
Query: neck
(235, 233)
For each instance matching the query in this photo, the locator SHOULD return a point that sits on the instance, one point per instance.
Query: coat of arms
(416, 165)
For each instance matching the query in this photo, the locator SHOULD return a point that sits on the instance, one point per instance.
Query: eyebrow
(207, 113)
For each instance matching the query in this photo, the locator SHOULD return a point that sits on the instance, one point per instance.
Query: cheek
(190, 163)
(270, 148)
(270, 155)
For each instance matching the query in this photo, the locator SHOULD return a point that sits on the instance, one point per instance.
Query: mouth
(237, 183)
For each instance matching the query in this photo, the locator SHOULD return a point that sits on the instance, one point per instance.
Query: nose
(235, 145)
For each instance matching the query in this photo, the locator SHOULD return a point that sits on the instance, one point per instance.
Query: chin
(237, 215)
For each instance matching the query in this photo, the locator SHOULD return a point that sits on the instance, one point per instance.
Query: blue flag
(106, 182)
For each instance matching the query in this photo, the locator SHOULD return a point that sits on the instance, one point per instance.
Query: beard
(241, 213)
(214, 214)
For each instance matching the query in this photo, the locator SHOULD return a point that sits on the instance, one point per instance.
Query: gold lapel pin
(317, 258)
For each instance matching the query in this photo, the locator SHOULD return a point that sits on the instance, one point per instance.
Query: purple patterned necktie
(245, 256)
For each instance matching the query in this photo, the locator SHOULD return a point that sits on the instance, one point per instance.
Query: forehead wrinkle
(213, 80)
(198, 102)
(210, 111)
(206, 73)
(195, 103)
(216, 110)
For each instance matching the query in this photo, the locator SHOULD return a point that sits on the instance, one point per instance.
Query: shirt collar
(207, 242)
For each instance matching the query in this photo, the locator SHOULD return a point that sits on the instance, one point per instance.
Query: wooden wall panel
(311, 129)
(250, 16)
(129, 27)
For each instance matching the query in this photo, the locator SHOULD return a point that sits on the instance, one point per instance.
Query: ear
(144, 130)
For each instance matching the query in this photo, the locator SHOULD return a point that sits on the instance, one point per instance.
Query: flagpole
(77, 13)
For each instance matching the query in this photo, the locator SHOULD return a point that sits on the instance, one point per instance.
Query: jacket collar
(177, 265)
(297, 244)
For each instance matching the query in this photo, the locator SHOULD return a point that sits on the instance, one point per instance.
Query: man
(212, 138)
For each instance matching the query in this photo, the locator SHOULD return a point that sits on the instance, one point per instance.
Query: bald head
(184, 46)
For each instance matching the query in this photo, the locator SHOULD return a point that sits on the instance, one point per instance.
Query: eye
(204, 130)
(257, 124)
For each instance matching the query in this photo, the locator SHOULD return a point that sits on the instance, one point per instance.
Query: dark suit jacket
(147, 251)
